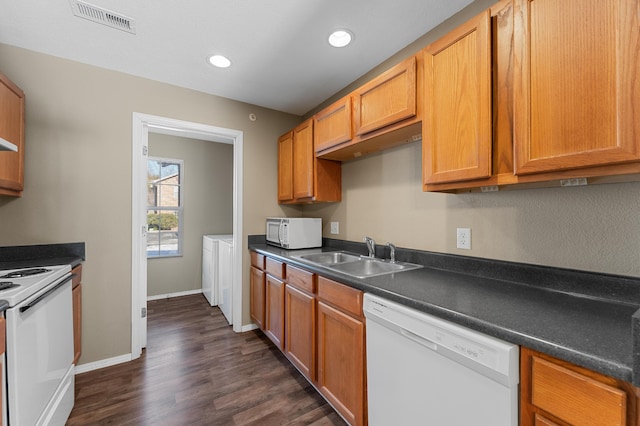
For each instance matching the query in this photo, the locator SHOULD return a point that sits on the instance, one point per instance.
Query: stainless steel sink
(363, 268)
(356, 265)
(330, 258)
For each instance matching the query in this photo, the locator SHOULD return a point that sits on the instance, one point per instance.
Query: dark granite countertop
(582, 317)
(14, 257)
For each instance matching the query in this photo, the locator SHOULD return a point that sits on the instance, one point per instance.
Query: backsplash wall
(593, 228)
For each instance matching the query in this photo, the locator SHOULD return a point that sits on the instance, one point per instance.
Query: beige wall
(590, 228)
(78, 174)
(208, 208)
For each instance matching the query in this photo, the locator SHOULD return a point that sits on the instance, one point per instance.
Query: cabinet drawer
(341, 296)
(303, 280)
(275, 268)
(575, 398)
(257, 260)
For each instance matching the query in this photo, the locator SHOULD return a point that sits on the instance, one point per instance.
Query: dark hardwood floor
(197, 371)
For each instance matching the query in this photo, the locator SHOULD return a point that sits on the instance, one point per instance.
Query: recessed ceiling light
(219, 61)
(340, 38)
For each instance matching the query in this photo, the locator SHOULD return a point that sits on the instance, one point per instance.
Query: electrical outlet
(335, 228)
(463, 240)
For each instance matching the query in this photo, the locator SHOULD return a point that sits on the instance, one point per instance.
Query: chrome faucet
(392, 255)
(371, 246)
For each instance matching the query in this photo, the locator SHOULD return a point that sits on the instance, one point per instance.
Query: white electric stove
(39, 344)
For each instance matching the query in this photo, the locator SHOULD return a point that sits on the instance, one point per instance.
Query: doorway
(144, 124)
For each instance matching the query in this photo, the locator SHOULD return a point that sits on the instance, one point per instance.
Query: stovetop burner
(25, 273)
(5, 285)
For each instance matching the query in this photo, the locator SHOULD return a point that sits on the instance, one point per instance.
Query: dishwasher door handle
(420, 340)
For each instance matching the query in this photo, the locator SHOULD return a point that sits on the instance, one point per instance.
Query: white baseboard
(83, 368)
(249, 327)
(178, 294)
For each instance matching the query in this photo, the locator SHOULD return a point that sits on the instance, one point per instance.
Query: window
(164, 207)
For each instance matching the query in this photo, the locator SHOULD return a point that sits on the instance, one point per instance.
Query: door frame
(143, 124)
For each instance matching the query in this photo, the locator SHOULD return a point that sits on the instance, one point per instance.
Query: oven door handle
(34, 302)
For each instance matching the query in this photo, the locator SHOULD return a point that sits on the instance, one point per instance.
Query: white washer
(210, 269)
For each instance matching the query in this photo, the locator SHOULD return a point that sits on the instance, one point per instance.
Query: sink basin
(363, 268)
(356, 265)
(330, 258)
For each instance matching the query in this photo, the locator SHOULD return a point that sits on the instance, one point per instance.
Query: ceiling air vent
(102, 16)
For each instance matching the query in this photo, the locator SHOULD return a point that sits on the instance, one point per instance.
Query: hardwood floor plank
(197, 371)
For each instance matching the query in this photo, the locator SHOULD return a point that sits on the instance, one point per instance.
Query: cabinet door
(457, 126)
(341, 373)
(285, 167)
(77, 322)
(333, 125)
(577, 97)
(300, 336)
(274, 307)
(303, 160)
(387, 99)
(257, 283)
(12, 130)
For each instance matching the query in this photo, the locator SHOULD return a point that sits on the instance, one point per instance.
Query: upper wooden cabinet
(12, 130)
(577, 97)
(387, 99)
(303, 178)
(565, 108)
(382, 113)
(303, 157)
(333, 125)
(456, 130)
(285, 167)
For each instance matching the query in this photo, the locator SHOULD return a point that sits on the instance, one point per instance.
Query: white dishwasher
(422, 370)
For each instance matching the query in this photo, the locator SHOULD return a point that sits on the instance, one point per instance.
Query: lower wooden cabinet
(76, 294)
(341, 349)
(257, 283)
(300, 330)
(274, 310)
(319, 326)
(556, 392)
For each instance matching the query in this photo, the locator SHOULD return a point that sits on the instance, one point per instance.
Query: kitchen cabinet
(303, 178)
(564, 108)
(577, 101)
(387, 99)
(341, 349)
(323, 332)
(456, 130)
(468, 120)
(257, 285)
(333, 125)
(76, 294)
(382, 113)
(274, 302)
(285, 167)
(300, 320)
(11, 130)
(556, 392)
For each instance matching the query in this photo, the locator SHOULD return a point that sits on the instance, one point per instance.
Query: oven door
(40, 357)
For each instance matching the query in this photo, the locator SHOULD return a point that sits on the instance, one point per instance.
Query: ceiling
(278, 48)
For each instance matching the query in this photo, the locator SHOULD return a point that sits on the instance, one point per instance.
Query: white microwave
(294, 232)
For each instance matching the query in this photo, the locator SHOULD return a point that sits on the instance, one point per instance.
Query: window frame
(179, 209)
